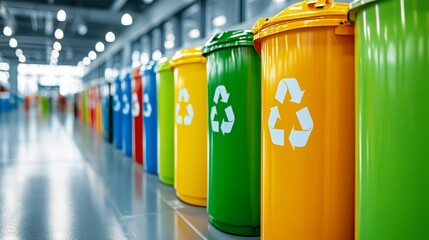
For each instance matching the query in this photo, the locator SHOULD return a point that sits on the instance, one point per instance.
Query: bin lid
(149, 67)
(187, 55)
(228, 39)
(309, 13)
(355, 6)
(163, 64)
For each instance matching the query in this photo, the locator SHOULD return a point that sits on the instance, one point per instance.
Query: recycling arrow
(148, 109)
(117, 103)
(126, 108)
(184, 97)
(297, 138)
(225, 126)
(135, 111)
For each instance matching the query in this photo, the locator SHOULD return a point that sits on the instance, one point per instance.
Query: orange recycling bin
(190, 127)
(308, 164)
(98, 117)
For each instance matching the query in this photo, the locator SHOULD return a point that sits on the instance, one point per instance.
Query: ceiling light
(55, 54)
(54, 59)
(7, 31)
(219, 21)
(148, 1)
(86, 61)
(110, 37)
(82, 29)
(61, 15)
(13, 43)
(99, 47)
(18, 52)
(57, 46)
(59, 34)
(156, 55)
(126, 19)
(169, 44)
(21, 59)
(80, 64)
(92, 55)
(194, 33)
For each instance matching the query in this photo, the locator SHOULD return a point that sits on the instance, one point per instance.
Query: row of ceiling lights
(126, 20)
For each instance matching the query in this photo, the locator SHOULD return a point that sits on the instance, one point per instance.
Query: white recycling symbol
(135, 111)
(126, 108)
(184, 97)
(297, 138)
(225, 126)
(148, 109)
(117, 103)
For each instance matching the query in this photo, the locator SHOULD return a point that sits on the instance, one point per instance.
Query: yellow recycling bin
(190, 127)
(308, 167)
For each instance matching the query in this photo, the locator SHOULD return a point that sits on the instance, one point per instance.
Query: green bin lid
(355, 6)
(228, 39)
(163, 64)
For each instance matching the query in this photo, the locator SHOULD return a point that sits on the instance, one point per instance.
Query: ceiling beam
(89, 14)
(117, 5)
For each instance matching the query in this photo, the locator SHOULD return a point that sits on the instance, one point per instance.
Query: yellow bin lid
(187, 55)
(310, 13)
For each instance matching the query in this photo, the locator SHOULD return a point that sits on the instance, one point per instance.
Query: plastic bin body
(165, 94)
(127, 119)
(308, 140)
(392, 58)
(117, 113)
(107, 111)
(98, 113)
(234, 107)
(137, 116)
(150, 118)
(190, 127)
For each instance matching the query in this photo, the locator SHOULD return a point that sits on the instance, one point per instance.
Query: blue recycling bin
(117, 113)
(127, 118)
(107, 111)
(150, 118)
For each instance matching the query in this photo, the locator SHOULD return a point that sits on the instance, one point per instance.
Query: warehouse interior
(214, 119)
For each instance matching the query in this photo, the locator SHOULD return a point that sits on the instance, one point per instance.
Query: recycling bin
(190, 127)
(165, 94)
(127, 118)
(150, 118)
(98, 118)
(392, 115)
(107, 110)
(308, 140)
(117, 113)
(84, 106)
(234, 107)
(137, 116)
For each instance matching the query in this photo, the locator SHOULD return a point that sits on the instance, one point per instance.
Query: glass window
(191, 23)
(171, 34)
(156, 44)
(146, 49)
(221, 14)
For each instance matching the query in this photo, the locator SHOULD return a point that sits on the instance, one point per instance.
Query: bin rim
(226, 39)
(187, 55)
(163, 64)
(149, 67)
(355, 6)
(304, 14)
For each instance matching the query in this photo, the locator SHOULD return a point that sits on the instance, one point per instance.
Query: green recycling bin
(234, 100)
(165, 93)
(392, 50)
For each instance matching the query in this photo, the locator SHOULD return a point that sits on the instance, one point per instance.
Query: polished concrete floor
(60, 180)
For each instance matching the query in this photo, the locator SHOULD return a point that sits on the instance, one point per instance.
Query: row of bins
(291, 130)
